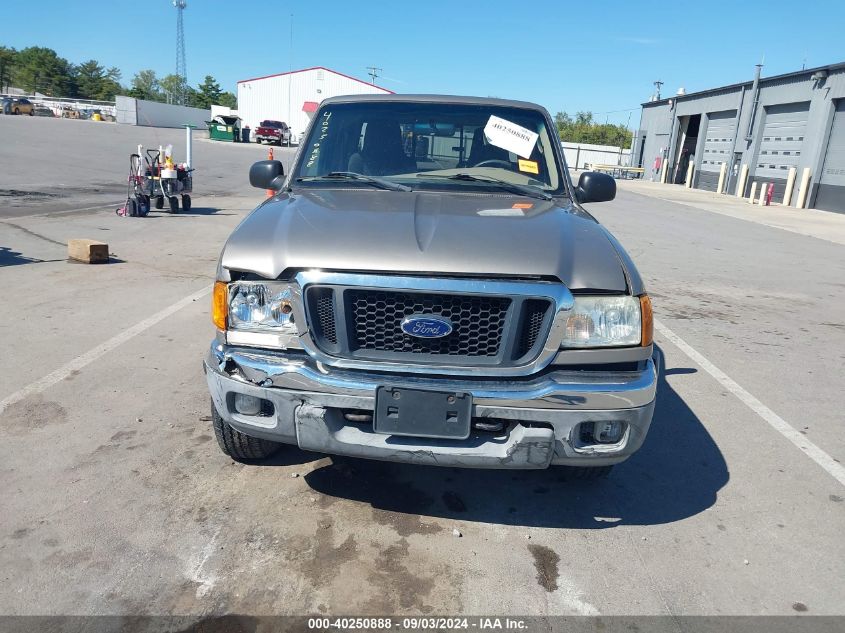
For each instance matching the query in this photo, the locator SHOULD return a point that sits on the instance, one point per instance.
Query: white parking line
(93, 354)
(834, 468)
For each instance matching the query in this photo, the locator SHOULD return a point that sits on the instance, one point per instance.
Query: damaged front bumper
(540, 414)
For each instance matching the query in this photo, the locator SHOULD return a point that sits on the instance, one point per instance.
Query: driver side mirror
(267, 174)
(594, 186)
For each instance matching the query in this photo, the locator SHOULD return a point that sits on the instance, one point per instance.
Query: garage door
(780, 147)
(718, 144)
(831, 192)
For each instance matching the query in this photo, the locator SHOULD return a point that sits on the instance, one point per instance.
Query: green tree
(145, 85)
(228, 100)
(583, 129)
(8, 57)
(89, 79)
(39, 69)
(110, 85)
(174, 88)
(208, 93)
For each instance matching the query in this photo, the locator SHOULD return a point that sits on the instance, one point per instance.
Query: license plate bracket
(422, 413)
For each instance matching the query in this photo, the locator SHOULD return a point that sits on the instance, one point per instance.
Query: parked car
(276, 132)
(426, 287)
(18, 105)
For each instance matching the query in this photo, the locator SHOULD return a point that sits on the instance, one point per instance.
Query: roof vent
(681, 91)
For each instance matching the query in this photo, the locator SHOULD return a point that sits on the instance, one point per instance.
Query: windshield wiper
(527, 190)
(351, 175)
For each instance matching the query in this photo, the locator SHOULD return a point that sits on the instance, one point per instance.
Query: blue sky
(598, 56)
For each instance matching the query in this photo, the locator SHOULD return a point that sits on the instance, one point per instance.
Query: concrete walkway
(824, 225)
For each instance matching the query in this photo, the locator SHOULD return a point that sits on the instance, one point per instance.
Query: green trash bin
(224, 128)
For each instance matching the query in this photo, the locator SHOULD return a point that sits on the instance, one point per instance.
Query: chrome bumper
(308, 398)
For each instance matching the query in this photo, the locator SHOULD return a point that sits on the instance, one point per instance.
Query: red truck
(276, 132)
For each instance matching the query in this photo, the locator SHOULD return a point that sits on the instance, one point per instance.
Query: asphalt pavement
(117, 500)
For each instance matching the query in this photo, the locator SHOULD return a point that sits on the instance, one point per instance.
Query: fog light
(608, 431)
(247, 405)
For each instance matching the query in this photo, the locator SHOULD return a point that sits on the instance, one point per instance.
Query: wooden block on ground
(88, 251)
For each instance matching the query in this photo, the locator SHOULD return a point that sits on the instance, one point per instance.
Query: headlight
(260, 306)
(603, 322)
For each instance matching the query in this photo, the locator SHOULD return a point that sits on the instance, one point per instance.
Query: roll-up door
(718, 145)
(831, 192)
(780, 147)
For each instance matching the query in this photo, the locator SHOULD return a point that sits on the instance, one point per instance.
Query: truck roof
(432, 98)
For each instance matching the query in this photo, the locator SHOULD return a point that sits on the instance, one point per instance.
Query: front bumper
(541, 413)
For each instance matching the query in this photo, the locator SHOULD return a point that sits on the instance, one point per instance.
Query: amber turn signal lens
(647, 321)
(220, 304)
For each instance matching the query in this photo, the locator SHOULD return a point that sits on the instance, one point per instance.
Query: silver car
(425, 287)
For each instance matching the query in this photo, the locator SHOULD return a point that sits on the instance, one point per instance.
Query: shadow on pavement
(9, 257)
(676, 474)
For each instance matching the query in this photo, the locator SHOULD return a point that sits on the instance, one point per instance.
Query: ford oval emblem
(426, 326)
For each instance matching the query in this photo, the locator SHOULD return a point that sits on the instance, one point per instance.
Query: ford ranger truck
(425, 287)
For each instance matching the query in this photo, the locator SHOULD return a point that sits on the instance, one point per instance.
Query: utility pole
(373, 72)
(657, 85)
(290, 72)
(181, 71)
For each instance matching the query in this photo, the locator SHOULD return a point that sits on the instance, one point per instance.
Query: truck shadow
(676, 474)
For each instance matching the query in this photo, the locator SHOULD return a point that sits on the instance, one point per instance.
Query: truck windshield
(432, 145)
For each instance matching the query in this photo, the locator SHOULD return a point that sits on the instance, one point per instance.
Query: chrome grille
(477, 322)
(488, 330)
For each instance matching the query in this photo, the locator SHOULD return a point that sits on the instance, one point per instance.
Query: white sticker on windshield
(510, 136)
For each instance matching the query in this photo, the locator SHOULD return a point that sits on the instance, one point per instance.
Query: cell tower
(180, 50)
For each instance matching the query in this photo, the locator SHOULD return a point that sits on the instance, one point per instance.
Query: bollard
(804, 189)
(270, 192)
(753, 193)
(189, 145)
(762, 200)
(690, 169)
(743, 178)
(723, 170)
(790, 185)
(770, 191)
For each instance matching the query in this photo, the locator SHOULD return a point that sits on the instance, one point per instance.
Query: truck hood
(425, 232)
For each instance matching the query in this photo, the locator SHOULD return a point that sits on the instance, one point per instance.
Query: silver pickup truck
(425, 287)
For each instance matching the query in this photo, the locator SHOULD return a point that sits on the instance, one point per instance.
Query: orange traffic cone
(270, 192)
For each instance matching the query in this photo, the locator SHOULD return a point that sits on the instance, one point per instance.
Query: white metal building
(293, 97)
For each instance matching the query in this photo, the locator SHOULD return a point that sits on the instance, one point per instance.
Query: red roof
(310, 106)
(305, 70)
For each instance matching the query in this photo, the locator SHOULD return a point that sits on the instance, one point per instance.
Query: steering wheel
(495, 162)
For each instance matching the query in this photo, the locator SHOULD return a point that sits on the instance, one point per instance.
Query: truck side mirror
(267, 174)
(594, 186)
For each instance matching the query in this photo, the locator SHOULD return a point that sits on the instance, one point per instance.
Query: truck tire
(585, 473)
(240, 446)
(186, 202)
(174, 204)
(159, 202)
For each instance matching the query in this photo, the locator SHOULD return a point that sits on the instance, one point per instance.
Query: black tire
(31, 112)
(186, 202)
(159, 202)
(587, 473)
(17, 111)
(240, 446)
(174, 204)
